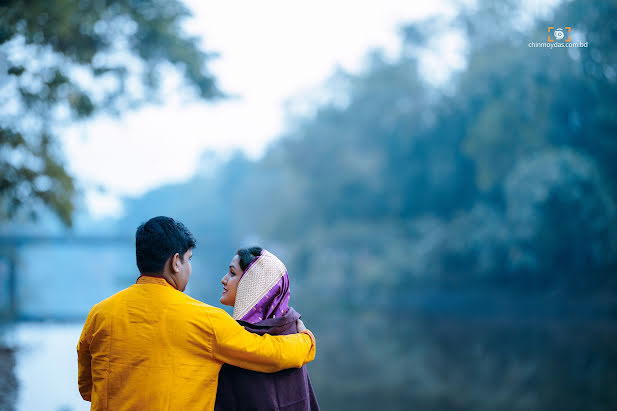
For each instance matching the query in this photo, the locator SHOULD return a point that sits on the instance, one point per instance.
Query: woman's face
(230, 282)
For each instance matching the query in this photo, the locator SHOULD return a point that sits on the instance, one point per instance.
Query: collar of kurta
(150, 279)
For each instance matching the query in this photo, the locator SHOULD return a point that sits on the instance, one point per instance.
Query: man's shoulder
(110, 301)
(189, 304)
(200, 305)
(215, 315)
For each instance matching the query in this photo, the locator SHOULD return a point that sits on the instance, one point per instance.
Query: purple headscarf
(263, 290)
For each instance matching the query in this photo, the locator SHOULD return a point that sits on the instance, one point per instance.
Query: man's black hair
(248, 255)
(158, 239)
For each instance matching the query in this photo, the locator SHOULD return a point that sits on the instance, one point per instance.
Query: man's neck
(170, 280)
(162, 276)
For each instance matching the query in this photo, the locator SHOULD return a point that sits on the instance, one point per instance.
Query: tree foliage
(66, 60)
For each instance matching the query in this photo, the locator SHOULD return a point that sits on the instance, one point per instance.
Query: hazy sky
(269, 51)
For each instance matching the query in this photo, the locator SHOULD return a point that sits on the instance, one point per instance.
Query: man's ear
(175, 263)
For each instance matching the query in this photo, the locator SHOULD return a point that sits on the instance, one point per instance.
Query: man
(151, 347)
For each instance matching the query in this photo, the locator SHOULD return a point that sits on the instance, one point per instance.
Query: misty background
(451, 237)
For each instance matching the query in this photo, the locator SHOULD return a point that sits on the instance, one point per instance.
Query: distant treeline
(507, 175)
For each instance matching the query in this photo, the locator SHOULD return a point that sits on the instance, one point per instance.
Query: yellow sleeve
(234, 345)
(84, 372)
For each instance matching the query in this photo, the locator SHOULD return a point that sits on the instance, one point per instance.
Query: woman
(257, 286)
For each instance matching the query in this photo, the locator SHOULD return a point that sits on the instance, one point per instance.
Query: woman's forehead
(235, 261)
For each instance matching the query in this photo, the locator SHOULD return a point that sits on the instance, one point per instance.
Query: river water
(46, 366)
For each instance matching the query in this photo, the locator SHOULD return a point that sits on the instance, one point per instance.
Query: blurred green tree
(67, 60)
(561, 214)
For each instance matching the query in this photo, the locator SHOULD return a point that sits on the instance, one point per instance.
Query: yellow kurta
(151, 347)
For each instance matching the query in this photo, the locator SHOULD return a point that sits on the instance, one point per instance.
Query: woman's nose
(223, 280)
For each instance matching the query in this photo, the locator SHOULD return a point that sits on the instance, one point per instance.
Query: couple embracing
(151, 347)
